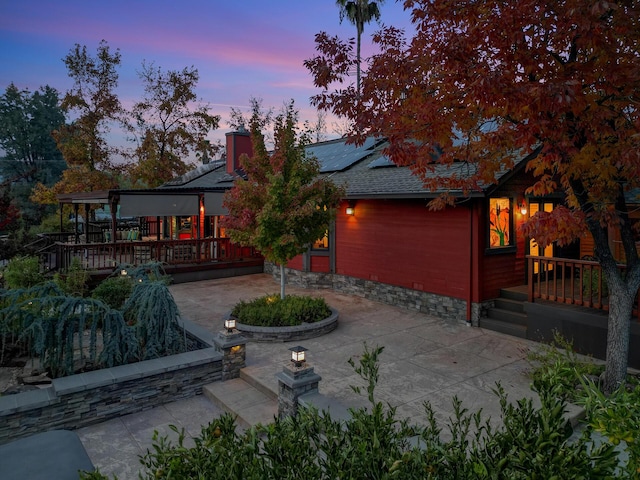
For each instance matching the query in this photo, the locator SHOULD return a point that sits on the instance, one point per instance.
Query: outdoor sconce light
(297, 355)
(523, 207)
(351, 208)
(230, 324)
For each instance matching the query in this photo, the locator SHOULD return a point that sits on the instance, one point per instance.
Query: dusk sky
(242, 49)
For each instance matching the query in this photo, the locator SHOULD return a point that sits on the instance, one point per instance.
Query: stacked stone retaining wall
(447, 308)
(93, 397)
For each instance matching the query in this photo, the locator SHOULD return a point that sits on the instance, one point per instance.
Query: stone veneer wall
(447, 308)
(93, 397)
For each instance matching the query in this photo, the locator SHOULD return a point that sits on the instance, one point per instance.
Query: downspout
(470, 294)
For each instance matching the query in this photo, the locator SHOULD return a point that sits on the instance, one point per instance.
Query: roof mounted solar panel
(336, 156)
(382, 161)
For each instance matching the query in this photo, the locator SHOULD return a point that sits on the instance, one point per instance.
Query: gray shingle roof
(363, 170)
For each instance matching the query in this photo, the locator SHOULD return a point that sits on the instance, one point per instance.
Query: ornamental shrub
(531, 443)
(113, 291)
(273, 311)
(73, 281)
(23, 272)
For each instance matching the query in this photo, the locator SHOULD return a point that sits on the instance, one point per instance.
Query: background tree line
(53, 143)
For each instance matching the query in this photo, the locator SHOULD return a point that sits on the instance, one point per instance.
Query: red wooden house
(466, 263)
(387, 244)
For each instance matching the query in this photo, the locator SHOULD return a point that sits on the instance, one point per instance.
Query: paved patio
(424, 359)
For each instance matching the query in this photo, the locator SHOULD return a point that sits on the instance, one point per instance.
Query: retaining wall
(445, 307)
(93, 397)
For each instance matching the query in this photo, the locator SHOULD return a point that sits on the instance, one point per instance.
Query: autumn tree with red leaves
(283, 205)
(504, 79)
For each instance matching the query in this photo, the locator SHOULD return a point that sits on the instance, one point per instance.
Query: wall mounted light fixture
(351, 208)
(523, 207)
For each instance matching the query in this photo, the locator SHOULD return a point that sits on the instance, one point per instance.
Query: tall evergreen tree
(27, 121)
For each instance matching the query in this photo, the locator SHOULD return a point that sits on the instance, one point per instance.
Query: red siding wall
(295, 263)
(403, 243)
(320, 264)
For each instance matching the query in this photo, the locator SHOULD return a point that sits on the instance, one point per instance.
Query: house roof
(363, 170)
(366, 172)
(210, 176)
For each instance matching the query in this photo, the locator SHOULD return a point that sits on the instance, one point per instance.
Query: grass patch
(272, 311)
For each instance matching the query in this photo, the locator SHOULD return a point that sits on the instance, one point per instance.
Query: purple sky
(242, 49)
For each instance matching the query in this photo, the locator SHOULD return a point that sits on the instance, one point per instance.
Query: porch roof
(97, 196)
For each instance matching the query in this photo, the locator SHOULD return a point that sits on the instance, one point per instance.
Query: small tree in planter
(283, 205)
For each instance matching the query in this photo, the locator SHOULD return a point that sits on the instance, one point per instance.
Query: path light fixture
(123, 272)
(230, 324)
(298, 356)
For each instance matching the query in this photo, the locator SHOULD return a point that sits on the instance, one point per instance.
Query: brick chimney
(237, 143)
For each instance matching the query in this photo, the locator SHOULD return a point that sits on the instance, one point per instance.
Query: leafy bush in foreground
(272, 311)
(374, 444)
(616, 416)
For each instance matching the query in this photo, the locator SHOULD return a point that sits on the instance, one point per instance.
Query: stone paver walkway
(424, 359)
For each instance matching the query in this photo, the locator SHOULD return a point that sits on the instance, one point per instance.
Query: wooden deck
(194, 254)
(572, 282)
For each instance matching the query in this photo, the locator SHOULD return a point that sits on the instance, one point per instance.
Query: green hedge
(272, 311)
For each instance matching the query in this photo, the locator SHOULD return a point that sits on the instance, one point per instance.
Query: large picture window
(500, 222)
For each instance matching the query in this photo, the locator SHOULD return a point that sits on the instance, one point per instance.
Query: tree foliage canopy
(484, 83)
(30, 154)
(283, 205)
(170, 124)
(27, 121)
(95, 106)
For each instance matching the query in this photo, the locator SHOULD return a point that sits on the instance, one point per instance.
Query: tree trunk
(282, 281)
(620, 312)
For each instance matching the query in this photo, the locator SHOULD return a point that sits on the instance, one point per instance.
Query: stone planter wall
(289, 334)
(93, 397)
(447, 308)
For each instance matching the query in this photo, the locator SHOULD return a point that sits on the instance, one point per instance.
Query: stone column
(233, 348)
(292, 383)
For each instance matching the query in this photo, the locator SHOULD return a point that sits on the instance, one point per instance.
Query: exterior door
(536, 206)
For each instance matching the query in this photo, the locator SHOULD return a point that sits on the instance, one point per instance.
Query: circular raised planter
(288, 334)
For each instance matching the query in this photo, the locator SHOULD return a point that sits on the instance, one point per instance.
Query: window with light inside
(499, 222)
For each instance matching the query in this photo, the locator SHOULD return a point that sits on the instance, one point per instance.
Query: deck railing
(573, 282)
(106, 256)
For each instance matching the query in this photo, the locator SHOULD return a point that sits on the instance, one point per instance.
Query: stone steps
(249, 404)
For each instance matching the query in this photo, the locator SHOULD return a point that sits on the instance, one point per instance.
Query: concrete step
(240, 398)
(507, 316)
(269, 388)
(507, 328)
(514, 293)
(509, 304)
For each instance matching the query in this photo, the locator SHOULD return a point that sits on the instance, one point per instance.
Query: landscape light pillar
(296, 379)
(232, 344)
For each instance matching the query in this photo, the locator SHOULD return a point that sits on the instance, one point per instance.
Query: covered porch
(179, 228)
(564, 296)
